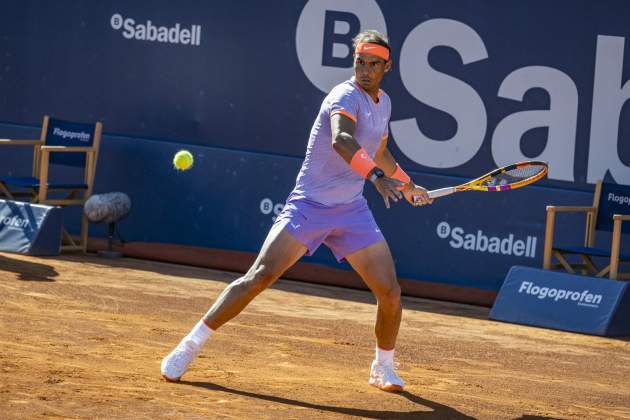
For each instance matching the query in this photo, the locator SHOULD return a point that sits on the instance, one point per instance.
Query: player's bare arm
(344, 143)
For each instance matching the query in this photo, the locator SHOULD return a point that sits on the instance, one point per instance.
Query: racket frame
(476, 184)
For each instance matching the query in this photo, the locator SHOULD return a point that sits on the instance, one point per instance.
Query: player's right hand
(417, 196)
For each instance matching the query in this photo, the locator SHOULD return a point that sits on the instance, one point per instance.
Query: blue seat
(609, 210)
(61, 143)
(31, 182)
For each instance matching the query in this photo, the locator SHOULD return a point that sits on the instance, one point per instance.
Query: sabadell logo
(481, 242)
(148, 31)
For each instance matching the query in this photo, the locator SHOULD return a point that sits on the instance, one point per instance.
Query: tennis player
(347, 145)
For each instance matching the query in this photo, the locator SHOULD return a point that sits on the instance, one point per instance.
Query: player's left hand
(388, 188)
(417, 195)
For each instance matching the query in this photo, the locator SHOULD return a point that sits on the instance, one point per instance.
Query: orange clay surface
(82, 337)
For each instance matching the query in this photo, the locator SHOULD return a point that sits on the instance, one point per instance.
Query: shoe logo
(295, 226)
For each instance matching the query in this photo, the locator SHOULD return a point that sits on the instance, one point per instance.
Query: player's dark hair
(372, 36)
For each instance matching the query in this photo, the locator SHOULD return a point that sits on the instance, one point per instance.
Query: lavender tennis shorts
(344, 229)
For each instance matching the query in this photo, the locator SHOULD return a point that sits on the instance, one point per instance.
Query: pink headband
(373, 49)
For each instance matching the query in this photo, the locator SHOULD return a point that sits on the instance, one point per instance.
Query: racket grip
(441, 192)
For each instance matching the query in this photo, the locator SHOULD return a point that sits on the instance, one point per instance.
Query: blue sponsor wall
(563, 301)
(474, 85)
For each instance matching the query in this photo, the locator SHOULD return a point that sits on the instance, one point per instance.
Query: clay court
(82, 337)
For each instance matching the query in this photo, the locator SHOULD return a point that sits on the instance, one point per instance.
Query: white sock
(385, 357)
(199, 334)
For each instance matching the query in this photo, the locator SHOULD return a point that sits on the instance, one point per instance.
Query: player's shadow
(363, 295)
(437, 410)
(28, 270)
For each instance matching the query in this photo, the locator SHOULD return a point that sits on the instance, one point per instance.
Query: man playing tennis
(347, 145)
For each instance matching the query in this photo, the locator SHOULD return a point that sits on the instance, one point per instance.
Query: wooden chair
(611, 207)
(61, 143)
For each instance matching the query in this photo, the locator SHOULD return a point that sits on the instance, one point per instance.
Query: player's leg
(375, 265)
(279, 252)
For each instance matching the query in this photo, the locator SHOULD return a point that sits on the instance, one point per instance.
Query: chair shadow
(440, 411)
(27, 270)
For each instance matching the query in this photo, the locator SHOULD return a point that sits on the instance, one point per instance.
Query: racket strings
(514, 175)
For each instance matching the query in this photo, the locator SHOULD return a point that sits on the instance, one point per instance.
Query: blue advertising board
(30, 228)
(563, 301)
(474, 85)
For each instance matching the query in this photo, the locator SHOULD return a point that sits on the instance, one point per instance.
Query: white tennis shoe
(175, 364)
(384, 377)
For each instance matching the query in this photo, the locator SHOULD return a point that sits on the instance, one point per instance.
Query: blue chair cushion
(596, 252)
(30, 182)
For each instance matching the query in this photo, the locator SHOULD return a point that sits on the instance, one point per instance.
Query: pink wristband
(361, 163)
(400, 175)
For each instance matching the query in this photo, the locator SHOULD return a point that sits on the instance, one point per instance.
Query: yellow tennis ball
(183, 160)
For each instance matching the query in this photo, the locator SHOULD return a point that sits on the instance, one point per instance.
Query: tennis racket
(502, 179)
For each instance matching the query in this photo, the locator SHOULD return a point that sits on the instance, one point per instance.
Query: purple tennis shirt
(325, 178)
